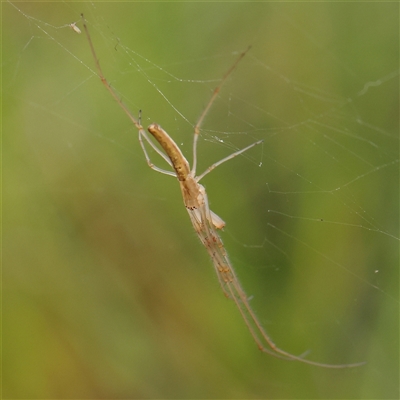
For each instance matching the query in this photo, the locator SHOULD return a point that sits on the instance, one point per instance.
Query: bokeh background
(107, 292)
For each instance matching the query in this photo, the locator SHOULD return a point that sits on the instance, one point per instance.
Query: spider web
(109, 260)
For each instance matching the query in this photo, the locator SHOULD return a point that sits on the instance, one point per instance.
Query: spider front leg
(208, 106)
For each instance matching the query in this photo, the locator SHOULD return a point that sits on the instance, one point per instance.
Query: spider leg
(143, 134)
(233, 155)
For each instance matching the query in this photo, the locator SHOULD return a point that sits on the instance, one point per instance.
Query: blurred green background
(107, 292)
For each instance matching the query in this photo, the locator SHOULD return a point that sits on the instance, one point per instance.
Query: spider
(204, 221)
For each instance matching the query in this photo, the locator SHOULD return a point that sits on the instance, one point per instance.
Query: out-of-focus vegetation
(107, 292)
